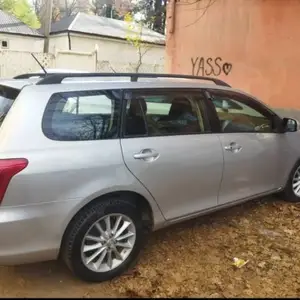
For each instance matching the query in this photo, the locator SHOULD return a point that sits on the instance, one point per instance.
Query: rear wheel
(104, 240)
(292, 190)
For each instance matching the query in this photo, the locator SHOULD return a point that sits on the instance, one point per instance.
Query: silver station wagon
(91, 163)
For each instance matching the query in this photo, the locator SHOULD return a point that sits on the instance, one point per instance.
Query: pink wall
(257, 40)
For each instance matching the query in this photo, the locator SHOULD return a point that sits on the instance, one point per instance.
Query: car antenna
(39, 63)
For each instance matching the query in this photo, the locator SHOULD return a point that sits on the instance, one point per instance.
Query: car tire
(77, 247)
(291, 191)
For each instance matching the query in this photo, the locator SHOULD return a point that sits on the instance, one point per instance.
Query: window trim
(7, 44)
(254, 104)
(50, 101)
(203, 109)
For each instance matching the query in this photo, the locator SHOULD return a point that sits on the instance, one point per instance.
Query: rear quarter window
(7, 98)
(82, 115)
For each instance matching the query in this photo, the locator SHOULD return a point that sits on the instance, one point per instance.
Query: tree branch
(210, 3)
(112, 68)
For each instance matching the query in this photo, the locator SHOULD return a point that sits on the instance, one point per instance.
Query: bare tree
(66, 8)
(142, 50)
(102, 7)
(115, 9)
(55, 14)
(196, 5)
(70, 7)
(39, 8)
(37, 5)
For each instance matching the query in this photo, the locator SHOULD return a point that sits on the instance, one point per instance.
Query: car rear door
(168, 147)
(251, 146)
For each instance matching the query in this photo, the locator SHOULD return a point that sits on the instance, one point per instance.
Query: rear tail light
(8, 169)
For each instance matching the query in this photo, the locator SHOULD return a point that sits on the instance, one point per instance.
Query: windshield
(7, 97)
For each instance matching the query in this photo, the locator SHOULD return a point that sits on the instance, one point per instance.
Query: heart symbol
(227, 67)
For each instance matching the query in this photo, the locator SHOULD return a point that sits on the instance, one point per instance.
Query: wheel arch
(289, 172)
(151, 215)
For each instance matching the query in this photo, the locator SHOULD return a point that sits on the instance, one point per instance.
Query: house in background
(17, 36)
(253, 45)
(85, 33)
(82, 41)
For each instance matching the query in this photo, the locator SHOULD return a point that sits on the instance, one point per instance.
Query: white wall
(13, 63)
(112, 50)
(22, 43)
(58, 42)
(76, 61)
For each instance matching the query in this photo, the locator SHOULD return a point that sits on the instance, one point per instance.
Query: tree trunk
(159, 16)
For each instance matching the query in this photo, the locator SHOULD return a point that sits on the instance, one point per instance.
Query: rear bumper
(32, 233)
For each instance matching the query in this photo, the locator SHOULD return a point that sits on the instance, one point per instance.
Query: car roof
(18, 83)
(94, 81)
(112, 80)
(78, 84)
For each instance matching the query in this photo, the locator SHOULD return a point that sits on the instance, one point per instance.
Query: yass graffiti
(202, 66)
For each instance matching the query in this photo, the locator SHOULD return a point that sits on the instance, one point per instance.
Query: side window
(96, 104)
(82, 115)
(240, 115)
(162, 114)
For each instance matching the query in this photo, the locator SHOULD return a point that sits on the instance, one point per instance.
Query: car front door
(251, 146)
(167, 146)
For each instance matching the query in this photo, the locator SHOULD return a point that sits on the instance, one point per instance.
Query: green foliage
(22, 10)
(134, 30)
(135, 38)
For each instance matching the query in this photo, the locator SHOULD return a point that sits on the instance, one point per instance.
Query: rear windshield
(7, 97)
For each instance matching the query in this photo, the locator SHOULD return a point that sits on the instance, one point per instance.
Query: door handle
(233, 147)
(146, 154)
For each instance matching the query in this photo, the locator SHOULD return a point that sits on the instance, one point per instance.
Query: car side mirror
(290, 125)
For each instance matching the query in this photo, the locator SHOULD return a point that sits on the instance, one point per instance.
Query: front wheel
(292, 190)
(104, 240)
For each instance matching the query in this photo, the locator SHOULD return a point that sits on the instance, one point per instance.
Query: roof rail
(59, 77)
(28, 75)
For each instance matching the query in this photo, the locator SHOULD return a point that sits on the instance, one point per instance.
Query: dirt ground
(193, 259)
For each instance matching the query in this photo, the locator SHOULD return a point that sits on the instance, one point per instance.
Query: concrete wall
(58, 41)
(22, 43)
(252, 44)
(112, 50)
(76, 60)
(13, 63)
